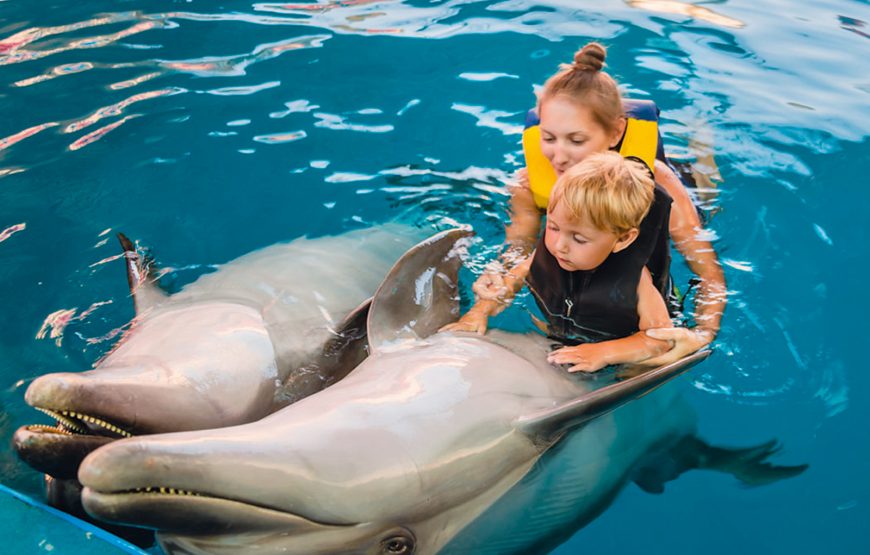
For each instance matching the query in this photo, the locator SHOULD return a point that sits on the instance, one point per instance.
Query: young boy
(593, 289)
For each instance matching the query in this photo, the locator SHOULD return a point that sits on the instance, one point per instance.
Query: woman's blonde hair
(607, 191)
(584, 82)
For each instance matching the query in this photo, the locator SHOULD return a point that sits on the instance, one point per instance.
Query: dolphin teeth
(64, 421)
(165, 491)
(50, 429)
(64, 417)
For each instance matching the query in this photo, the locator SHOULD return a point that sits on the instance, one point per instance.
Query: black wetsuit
(601, 304)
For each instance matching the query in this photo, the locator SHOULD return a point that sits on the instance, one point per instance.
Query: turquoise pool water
(208, 130)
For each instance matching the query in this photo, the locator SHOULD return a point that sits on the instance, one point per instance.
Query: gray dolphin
(262, 331)
(426, 437)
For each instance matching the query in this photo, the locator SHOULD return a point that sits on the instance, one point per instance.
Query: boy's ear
(625, 239)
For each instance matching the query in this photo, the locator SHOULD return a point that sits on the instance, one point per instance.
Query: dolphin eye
(397, 545)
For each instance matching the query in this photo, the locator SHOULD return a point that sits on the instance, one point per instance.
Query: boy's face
(569, 133)
(579, 246)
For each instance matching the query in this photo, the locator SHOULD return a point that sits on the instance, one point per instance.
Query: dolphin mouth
(178, 511)
(58, 450)
(77, 423)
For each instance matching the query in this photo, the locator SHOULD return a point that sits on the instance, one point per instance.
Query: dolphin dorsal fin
(419, 294)
(554, 421)
(142, 281)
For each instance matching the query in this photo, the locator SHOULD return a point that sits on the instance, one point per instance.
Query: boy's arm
(475, 320)
(652, 313)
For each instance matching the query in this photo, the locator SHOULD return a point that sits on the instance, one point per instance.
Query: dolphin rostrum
(262, 331)
(427, 436)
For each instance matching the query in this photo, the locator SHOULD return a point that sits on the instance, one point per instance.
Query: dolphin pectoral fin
(747, 464)
(347, 347)
(342, 352)
(552, 422)
(143, 283)
(420, 294)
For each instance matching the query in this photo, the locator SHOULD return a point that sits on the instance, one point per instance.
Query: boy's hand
(587, 357)
(473, 321)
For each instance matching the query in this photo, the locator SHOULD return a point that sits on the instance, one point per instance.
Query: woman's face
(569, 133)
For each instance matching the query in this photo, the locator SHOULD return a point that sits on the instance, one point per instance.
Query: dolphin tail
(747, 464)
(143, 283)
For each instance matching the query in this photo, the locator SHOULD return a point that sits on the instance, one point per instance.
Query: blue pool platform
(30, 527)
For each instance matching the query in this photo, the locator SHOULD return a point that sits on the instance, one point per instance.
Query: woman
(581, 112)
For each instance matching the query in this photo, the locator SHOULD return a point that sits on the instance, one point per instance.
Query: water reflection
(694, 11)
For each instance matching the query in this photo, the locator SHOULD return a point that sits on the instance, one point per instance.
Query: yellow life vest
(641, 139)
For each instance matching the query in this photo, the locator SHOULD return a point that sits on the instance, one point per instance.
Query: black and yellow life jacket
(641, 139)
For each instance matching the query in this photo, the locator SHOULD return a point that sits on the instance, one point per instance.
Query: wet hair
(607, 191)
(583, 81)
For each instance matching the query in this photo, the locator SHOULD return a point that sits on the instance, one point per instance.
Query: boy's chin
(565, 265)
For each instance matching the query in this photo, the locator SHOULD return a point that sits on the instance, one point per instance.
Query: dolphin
(429, 435)
(262, 331)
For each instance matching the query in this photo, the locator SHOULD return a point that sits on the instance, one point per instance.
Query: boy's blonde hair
(607, 191)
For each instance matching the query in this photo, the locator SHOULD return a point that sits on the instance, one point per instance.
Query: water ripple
(17, 54)
(236, 65)
(12, 230)
(118, 108)
(244, 90)
(276, 138)
(340, 123)
(6, 142)
(95, 136)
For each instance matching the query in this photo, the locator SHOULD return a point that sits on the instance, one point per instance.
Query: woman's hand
(587, 357)
(496, 287)
(473, 321)
(685, 341)
(491, 286)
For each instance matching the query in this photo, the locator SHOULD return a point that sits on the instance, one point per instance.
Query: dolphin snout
(118, 467)
(53, 453)
(52, 390)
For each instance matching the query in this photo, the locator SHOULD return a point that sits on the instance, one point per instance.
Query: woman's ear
(618, 131)
(625, 239)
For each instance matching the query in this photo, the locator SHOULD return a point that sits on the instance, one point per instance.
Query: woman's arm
(637, 348)
(710, 299)
(525, 224)
(520, 238)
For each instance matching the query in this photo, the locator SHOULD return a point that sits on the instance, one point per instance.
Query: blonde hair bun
(590, 58)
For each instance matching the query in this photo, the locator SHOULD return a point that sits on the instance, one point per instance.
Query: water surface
(207, 130)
